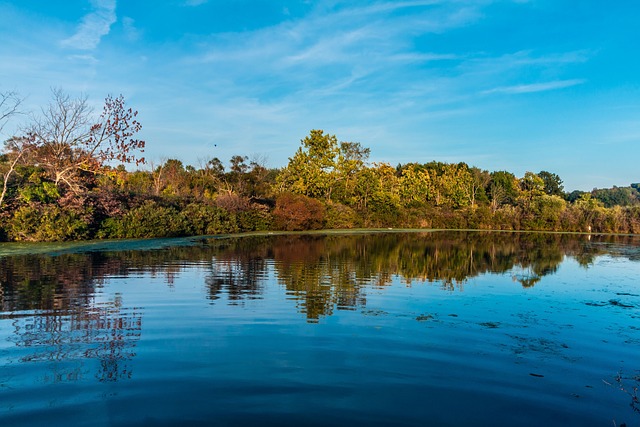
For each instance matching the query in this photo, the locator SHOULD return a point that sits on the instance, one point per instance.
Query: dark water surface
(407, 329)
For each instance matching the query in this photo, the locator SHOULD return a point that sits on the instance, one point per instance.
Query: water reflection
(238, 277)
(79, 317)
(322, 272)
(104, 332)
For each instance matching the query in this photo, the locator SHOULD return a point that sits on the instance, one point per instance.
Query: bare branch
(16, 149)
(68, 139)
(9, 107)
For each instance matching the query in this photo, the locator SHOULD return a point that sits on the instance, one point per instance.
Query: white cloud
(536, 87)
(352, 38)
(94, 26)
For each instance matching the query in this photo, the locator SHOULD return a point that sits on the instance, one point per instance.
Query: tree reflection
(322, 273)
(328, 272)
(237, 277)
(106, 332)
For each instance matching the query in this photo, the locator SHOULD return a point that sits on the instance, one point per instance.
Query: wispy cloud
(408, 78)
(89, 59)
(535, 87)
(347, 39)
(195, 2)
(348, 67)
(131, 32)
(94, 26)
(423, 57)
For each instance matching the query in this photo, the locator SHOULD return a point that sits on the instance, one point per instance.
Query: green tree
(452, 184)
(383, 206)
(310, 171)
(616, 196)
(590, 213)
(531, 186)
(503, 189)
(552, 183)
(547, 213)
(248, 180)
(575, 195)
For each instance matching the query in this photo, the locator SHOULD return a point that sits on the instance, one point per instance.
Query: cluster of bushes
(97, 217)
(325, 185)
(144, 218)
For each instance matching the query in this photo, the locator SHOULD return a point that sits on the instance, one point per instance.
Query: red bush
(297, 212)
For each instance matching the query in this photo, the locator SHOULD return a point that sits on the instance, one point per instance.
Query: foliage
(257, 218)
(325, 169)
(416, 187)
(147, 220)
(339, 216)
(617, 196)
(298, 212)
(58, 185)
(204, 219)
(44, 223)
(574, 195)
(38, 190)
(66, 140)
(503, 189)
(309, 170)
(552, 183)
(545, 213)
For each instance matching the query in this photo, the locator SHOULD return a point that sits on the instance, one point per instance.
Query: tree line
(64, 178)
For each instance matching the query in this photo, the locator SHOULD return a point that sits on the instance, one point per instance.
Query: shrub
(147, 220)
(383, 211)
(46, 223)
(298, 212)
(338, 215)
(202, 219)
(258, 218)
(478, 217)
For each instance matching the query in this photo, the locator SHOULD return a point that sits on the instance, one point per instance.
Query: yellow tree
(352, 158)
(416, 187)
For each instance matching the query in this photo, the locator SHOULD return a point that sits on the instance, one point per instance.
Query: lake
(357, 329)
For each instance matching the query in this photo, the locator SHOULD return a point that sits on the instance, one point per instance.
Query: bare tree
(157, 175)
(9, 107)
(67, 140)
(479, 180)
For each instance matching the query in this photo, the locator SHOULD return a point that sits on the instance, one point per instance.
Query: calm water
(416, 329)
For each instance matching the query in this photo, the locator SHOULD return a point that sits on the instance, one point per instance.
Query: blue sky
(503, 85)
